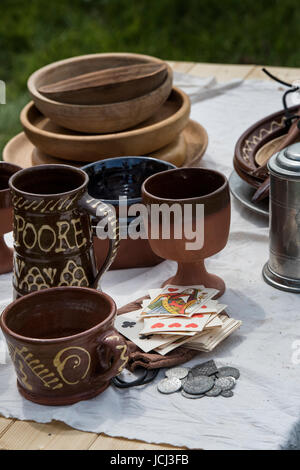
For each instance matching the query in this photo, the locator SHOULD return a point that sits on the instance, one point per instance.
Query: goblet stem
(6, 257)
(189, 274)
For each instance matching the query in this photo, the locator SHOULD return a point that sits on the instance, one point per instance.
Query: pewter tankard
(283, 268)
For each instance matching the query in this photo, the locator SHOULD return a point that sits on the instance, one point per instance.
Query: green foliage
(36, 32)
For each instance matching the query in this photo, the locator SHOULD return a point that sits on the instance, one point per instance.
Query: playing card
(165, 349)
(216, 321)
(146, 302)
(177, 324)
(131, 328)
(208, 340)
(154, 292)
(179, 333)
(178, 300)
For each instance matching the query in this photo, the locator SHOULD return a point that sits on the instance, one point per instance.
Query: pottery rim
(183, 109)
(188, 199)
(48, 341)
(14, 169)
(134, 200)
(49, 167)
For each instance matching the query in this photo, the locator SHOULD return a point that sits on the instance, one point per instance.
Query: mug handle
(99, 209)
(112, 354)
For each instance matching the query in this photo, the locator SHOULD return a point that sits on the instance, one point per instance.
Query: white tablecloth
(266, 400)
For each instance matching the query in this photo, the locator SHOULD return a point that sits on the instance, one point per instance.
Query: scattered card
(131, 329)
(178, 300)
(176, 325)
(177, 316)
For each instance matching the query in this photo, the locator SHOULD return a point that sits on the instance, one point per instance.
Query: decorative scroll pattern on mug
(76, 358)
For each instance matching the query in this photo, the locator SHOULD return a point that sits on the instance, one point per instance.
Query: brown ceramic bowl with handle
(63, 344)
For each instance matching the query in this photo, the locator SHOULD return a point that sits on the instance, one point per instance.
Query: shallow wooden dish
(174, 153)
(256, 144)
(158, 131)
(105, 118)
(21, 151)
(109, 85)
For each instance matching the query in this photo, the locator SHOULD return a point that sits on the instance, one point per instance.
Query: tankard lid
(286, 162)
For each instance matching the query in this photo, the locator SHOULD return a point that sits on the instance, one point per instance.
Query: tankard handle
(99, 209)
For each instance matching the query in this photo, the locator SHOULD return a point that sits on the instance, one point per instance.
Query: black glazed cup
(124, 176)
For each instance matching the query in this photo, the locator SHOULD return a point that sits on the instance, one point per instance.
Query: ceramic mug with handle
(52, 230)
(63, 344)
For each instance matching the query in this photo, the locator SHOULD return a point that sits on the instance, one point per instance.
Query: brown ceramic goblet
(63, 344)
(6, 215)
(193, 187)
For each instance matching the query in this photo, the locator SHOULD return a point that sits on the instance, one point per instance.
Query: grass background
(36, 32)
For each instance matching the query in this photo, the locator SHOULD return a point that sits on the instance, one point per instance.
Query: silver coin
(189, 395)
(178, 372)
(214, 392)
(170, 385)
(226, 383)
(206, 368)
(228, 372)
(227, 393)
(198, 385)
(184, 380)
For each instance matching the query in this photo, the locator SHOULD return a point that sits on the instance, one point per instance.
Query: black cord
(144, 379)
(289, 117)
(276, 78)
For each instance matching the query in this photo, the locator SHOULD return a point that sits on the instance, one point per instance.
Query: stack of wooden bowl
(98, 106)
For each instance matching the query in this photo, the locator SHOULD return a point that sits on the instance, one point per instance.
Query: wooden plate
(157, 132)
(21, 151)
(174, 153)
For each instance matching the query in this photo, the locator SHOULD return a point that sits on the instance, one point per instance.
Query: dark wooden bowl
(251, 144)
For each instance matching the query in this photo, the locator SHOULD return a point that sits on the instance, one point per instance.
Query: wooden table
(29, 435)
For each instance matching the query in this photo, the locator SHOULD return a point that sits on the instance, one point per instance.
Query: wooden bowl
(109, 85)
(158, 131)
(102, 118)
(20, 151)
(256, 144)
(175, 153)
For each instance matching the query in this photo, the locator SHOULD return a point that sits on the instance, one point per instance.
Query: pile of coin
(202, 380)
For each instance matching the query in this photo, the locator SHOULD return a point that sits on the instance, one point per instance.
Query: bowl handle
(112, 354)
(100, 210)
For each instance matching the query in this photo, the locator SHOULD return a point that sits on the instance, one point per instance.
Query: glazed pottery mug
(52, 229)
(63, 344)
(190, 187)
(6, 215)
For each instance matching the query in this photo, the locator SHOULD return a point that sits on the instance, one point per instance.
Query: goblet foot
(189, 274)
(6, 257)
